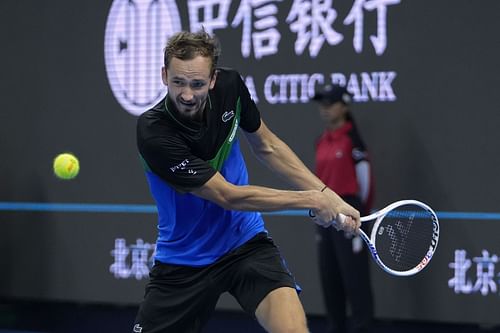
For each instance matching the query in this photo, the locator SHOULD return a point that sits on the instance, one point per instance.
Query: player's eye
(179, 83)
(197, 84)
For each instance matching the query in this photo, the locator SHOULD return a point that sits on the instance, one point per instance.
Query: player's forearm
(256, 198)
(278, 157)
(283, 161)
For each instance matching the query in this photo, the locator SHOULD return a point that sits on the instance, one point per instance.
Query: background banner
(424, 75)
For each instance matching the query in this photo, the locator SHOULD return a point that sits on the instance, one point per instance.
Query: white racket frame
(379, 216)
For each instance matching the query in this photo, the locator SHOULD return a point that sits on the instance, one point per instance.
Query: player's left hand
(347, 218)
(347, 224)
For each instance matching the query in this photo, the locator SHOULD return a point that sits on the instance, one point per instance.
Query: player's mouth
(188, 106)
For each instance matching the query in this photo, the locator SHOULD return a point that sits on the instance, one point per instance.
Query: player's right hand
(328, 215)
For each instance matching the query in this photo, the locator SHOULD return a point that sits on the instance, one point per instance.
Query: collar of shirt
(339, 132)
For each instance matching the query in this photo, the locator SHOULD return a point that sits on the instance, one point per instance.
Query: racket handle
(341, 217)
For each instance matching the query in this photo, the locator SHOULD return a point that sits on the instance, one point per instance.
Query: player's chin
(189, 111)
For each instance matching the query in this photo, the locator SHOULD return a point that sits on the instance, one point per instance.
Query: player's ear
(213, 79)
(164, 75)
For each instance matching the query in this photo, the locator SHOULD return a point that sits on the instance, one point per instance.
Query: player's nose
(187, 95)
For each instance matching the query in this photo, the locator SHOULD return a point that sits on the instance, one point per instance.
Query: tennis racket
(403, 238)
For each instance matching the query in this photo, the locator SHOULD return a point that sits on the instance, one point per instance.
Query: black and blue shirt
(181, 155)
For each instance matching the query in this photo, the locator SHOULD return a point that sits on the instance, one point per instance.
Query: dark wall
(426, 105)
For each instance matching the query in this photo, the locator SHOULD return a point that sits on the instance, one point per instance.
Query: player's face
(188, 84)
(332, 113)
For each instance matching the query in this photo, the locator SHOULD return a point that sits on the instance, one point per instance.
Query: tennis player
(212, 238)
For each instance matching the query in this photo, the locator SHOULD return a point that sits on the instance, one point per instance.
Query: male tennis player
(212, 237)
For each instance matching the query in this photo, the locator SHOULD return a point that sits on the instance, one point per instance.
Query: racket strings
(401, 243)
(404, 236)
(406, 254)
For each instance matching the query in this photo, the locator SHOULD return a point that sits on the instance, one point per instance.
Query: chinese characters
(312, 21)
(485, 281)
(133, 260)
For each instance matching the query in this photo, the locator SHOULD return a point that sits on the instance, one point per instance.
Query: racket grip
(340, 217)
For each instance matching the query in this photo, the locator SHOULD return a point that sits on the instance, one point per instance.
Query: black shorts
(180, 299)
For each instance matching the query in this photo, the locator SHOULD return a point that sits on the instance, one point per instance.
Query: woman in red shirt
(342, 164)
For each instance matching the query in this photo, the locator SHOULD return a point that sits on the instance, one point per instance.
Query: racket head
(404, 237)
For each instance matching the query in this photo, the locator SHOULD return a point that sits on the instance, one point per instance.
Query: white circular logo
(136, 33)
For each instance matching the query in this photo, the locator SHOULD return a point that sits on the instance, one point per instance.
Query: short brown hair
(188, 45)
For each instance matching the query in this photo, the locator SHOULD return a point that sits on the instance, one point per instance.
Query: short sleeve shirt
(181, 155)
(337, 153)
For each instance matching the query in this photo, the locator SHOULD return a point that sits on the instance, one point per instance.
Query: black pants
(345, 277)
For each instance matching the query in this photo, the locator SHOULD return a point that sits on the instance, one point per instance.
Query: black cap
(332, 93)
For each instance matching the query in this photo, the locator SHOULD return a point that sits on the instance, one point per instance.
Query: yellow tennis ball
(66, 166)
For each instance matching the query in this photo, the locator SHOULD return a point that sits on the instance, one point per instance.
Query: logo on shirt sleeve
(358, 154)
(180, 166)
(183, 166)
